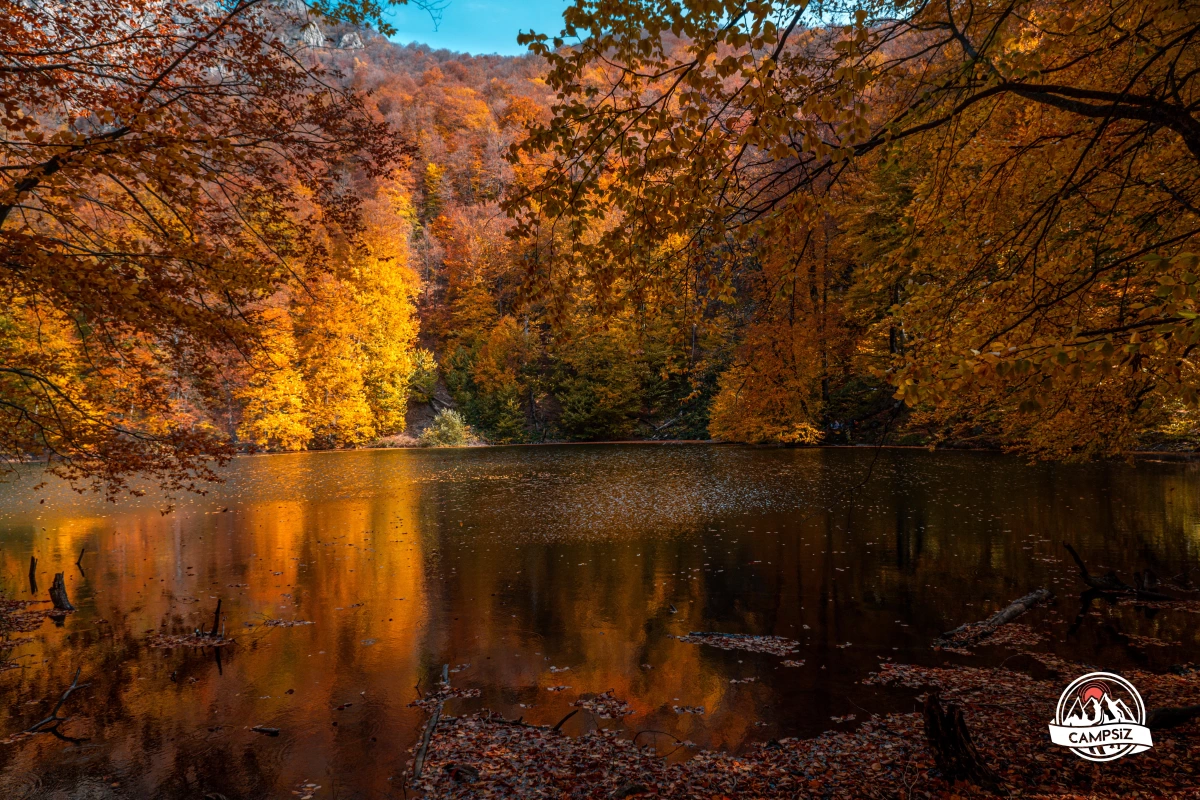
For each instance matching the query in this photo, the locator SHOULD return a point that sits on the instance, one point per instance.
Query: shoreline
(1140, 455)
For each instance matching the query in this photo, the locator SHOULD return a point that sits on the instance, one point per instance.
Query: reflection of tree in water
(152, 740)
(909, 540)
(496, 571)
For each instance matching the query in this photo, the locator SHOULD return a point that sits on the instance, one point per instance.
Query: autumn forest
(863, 338)
(249, 226)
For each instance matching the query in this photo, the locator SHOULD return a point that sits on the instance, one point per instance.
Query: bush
(448, 429)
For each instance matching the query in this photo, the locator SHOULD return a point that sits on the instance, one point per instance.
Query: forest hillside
(800, 226)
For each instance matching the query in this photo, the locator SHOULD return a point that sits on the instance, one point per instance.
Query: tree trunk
(953, 751)
(58, 594)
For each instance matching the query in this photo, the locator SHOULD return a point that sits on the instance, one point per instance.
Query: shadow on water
(526, 569)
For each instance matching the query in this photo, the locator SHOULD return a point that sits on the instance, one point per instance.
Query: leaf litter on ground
(486, 756)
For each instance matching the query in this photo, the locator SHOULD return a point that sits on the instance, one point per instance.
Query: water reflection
(510, 561)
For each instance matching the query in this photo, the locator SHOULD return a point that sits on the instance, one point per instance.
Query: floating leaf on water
(771, 645)
(605, 706)
(167, 641)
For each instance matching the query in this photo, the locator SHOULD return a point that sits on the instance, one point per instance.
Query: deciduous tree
(1039, 267)
(158, 166)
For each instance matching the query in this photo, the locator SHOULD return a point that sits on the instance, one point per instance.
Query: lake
(531, 568)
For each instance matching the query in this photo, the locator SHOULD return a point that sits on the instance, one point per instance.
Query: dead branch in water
(426, 738)
(427, 734)
(564, 719)
(1112, 584)
(50, 724)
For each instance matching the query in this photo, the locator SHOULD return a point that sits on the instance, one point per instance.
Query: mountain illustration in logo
(1097, 709)
(1101, 717)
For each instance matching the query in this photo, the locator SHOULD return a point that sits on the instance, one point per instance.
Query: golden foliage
(1012, 188)
(155, 159)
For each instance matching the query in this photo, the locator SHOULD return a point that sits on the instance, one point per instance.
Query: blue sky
(478, 26)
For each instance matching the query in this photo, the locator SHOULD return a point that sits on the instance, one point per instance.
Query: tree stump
(58, 594)
(953, 751)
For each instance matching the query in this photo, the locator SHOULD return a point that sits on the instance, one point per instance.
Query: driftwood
(972, 632)
(953, 751)
(58, 594)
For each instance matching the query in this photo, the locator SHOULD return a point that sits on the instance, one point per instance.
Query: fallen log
(953, 751)
(972, 632)
(58, 594)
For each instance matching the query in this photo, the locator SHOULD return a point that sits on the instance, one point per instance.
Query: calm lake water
(507, 562)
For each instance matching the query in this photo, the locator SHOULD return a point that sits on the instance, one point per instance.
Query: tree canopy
(1009, 189)
(258, 224)
(163, 167)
